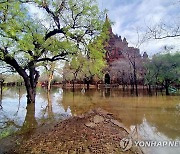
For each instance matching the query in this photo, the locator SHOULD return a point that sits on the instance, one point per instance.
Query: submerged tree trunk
(149, 89)
(167, 90)
(50, 75)
(88, 85)
(167, 87)
(123, 83)
(73, 86)
(132, 85)
(135, 82)
(31, 83)
(87, 82)
(31, 90)
(156, 88)
(30, 120)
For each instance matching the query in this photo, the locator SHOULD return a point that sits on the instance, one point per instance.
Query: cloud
(139, 14)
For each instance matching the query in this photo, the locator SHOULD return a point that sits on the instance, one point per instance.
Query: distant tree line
(161, 72)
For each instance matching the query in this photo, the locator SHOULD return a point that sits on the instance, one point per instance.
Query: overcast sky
(130, 15)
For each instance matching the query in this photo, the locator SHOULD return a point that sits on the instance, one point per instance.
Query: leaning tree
(59, 30)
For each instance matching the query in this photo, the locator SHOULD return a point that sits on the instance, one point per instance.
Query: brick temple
(118, 51)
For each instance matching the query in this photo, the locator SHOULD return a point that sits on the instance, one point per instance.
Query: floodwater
(152, 118)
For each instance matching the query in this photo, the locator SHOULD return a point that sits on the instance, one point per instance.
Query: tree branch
(55, 58)
(53, 32)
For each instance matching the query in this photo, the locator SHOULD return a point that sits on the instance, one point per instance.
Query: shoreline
(94, 132)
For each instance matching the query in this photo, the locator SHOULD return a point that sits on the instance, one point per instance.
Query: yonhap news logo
(127, 143)
(151, 143)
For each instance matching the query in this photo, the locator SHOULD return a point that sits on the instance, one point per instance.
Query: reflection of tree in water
(6, 123)
(107, 92)
(30, 119)
(160, 120)
(47, 97)
(131, 110)
(20, 94)
(49, 106)
(80, 103)
(10, 92)
(158, 111)
(48, 109)
(29, 122)
(166, 121)
(9, 124)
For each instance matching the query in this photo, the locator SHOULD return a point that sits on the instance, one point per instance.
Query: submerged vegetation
(163, 71)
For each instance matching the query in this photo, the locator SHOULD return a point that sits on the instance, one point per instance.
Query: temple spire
(107, 19)
(108, 23)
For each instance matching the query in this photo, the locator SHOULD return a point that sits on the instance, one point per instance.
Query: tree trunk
(156, 88)
(50, 78)
(135, 82)
(50, 75)
(30, 84)
(149, 89)
(87, 82)
(30, 120)
(167, 87)
(31, 91)
(73, 86)
(29, 80)
(87, 85)
(49, 85)
(167, 90)
(123, 84)
(96, 84)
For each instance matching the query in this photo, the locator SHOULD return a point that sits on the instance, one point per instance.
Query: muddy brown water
(153, 118)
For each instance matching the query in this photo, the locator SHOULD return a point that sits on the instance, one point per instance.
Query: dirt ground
(96, 132)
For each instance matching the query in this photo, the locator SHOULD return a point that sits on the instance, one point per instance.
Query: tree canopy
(65, 29)
(164, 69)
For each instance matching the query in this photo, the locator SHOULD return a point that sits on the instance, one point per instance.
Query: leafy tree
(164, 69)
(66, 28)
(91, 62)
(85, 67)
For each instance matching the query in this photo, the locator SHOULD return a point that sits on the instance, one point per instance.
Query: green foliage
(4, 134)
(164, 67)
(61, 30)
(24, 35)
(91, 62)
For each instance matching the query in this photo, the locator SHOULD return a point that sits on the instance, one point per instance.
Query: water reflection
(16, 115)
(159, 111)
(107, 92)
(155, 117)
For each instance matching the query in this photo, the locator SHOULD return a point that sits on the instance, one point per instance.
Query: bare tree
(163, 30)
(122, 70)
(168, 27)
(50, 68)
